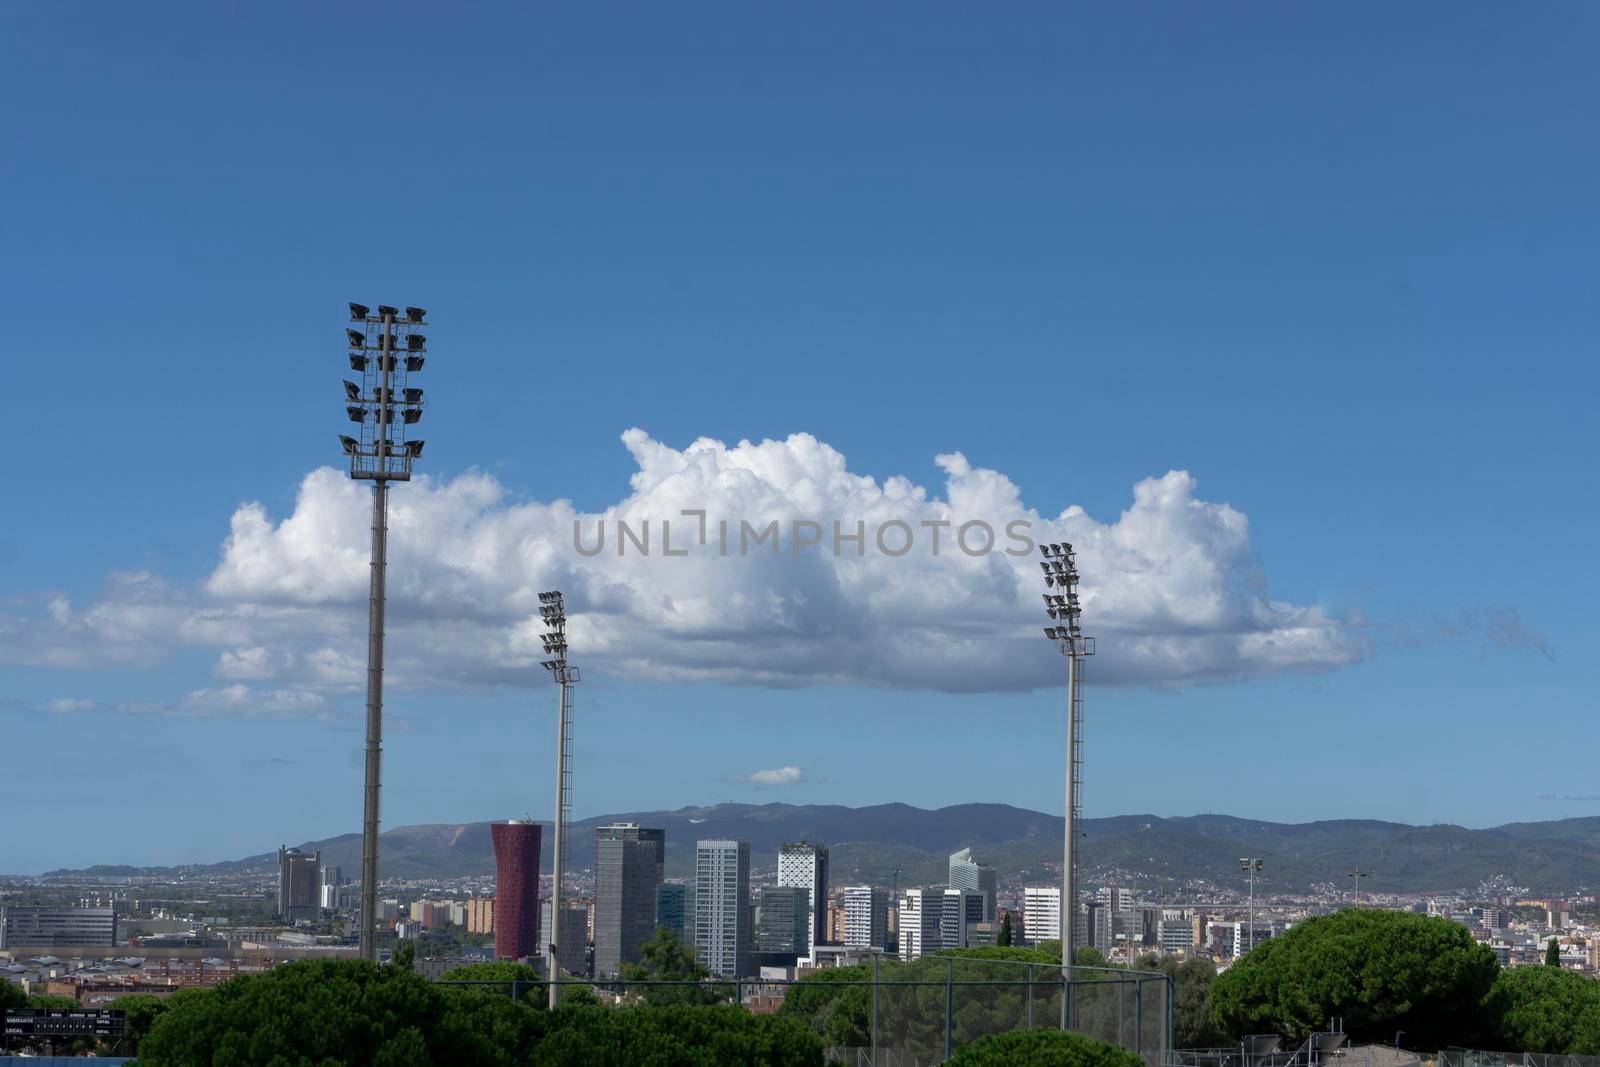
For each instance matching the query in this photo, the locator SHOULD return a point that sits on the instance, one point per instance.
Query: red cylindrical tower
(516, 888)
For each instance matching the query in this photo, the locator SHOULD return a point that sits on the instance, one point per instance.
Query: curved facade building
(516, 888)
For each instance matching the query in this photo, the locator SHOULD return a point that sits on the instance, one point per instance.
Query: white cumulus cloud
(1172, 587)
(773, 776)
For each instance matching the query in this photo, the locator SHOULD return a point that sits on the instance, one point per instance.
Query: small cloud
(1588, 798)
(775, 776)
(66, 705)
(1505, 629)
(247, 664)
(1498, 626)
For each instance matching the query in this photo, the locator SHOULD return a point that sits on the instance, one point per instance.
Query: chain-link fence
(1471, 1057)
(896, 1014)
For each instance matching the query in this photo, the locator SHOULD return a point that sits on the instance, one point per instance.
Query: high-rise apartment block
(333, 894)
(628, 865)
(480, 915)
(921, 922)
(806, 865)
(783, 922)
(299, 885)
(865, 916)
(516, 888)
(962, 909)
(968, 874)
(1116, 898)
(835, 923)
(671, 899)
(1041, 913)
(722, 934)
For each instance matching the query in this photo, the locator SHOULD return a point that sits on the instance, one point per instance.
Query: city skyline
(1291, 368)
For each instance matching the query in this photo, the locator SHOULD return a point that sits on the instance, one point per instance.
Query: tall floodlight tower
(554, 613)
(1251, 864)
(1061, 604)
(385, 349)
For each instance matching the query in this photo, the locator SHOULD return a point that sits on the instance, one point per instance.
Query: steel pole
(1252, 940)
(873, 1037)
(369, 821)
(561, 806)
(1069, 911)
(382, 424)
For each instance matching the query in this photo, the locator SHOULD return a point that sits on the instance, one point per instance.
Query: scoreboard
(64, 1022)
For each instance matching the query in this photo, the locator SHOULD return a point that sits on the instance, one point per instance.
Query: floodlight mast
(380, 455)
(1060, 566)
(1251, 864)
(553, 610)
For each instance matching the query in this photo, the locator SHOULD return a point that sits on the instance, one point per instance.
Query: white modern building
(806, 866)
(866, 917)
(967, 873)
(1116, 898)
(1041, 913)
(921, 922)
(722, 913)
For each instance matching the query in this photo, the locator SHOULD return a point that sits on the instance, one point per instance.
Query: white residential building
(1041, 913)
(722, 913)
(921, 921)
(866, 917)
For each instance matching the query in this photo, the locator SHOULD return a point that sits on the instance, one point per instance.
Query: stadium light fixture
(1061, 572)
(380, 455)
(552, 609)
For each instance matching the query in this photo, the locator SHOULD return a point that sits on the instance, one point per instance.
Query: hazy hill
(871, 843)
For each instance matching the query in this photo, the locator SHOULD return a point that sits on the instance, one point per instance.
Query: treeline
(1386, 975)
(321, 1012)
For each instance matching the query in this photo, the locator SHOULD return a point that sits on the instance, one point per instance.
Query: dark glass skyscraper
(516, 888)
(628, 864)
(299, 884)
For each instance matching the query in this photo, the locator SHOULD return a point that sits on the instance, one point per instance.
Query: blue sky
(1335, 264)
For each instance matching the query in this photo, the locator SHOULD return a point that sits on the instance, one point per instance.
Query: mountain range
(1169, 856)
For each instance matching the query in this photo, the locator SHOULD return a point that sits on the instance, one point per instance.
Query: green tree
(1380, 971)
(404, 955)
(501, 977)
(142, 1012)
(1004, 940)
(1552, 953)
(11, 995)
(45, 1000)
(1042, 1048)
(1543, 1009)
(666, 959)
(339, 1011)
(1191, 1008)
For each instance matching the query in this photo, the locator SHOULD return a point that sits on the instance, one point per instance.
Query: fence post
(1138, 1017)
(513, 990)
(738, 992)
(949, 1001)
(1030, 995)
(873, 1036)
(1169, 1036)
